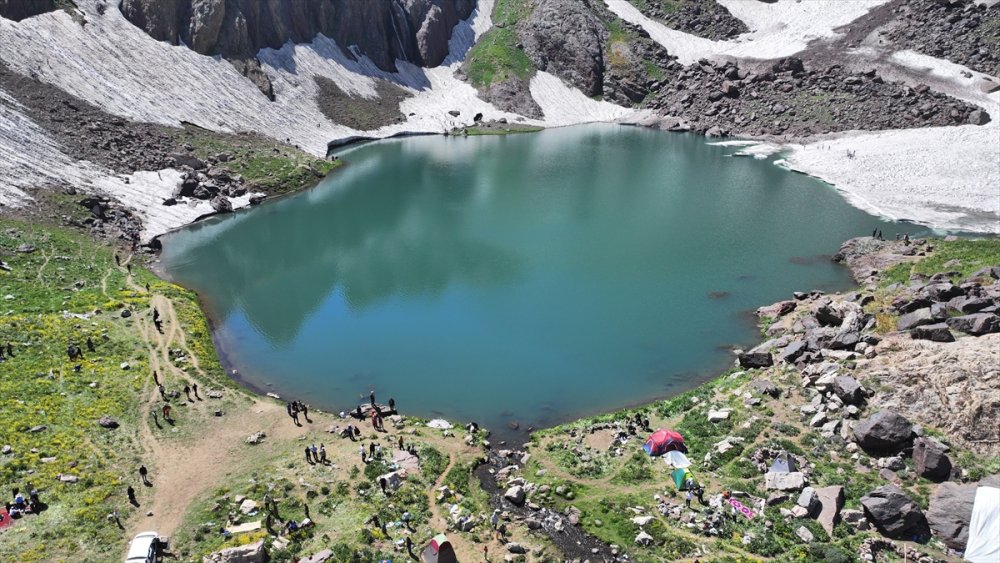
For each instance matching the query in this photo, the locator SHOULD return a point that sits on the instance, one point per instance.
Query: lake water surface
(532, 277)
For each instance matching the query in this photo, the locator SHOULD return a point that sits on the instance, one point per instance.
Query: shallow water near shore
(530, 278)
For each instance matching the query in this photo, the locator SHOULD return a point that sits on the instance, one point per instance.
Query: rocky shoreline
(822, 368)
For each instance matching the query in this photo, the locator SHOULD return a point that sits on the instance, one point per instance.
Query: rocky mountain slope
(416, 31)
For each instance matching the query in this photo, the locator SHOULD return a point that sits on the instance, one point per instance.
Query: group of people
(314, 455)
(21, 505)
(877, 235)
(296, 407)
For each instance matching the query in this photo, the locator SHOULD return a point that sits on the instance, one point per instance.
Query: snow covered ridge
(944, 177)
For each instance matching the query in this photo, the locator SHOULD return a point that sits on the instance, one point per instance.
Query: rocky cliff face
(385, 30)
(566, 38)
(17, 10)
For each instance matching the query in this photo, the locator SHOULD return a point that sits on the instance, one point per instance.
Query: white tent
(677, 459)
(984, 528)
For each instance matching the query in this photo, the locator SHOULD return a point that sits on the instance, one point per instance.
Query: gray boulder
(515, 495)
(915, 319)
(950, 510)
(792, 352)
(894, 514)
(107, 422)
(976, 324)
(831, 500)
(884, 431)
(250, 553)
(938, 332)
(777, 481)
(848, 389)
(931, 458)
(221, 204)
(808, 500)
(765, 387)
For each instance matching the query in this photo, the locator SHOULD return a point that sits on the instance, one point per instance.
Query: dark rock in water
(915, 319)
(849, 390)
(221, 204)
(936, 333)
(884, 432)
(976, 324)
(931, 458)
(108, 422)
(755, 360)
(895, 514)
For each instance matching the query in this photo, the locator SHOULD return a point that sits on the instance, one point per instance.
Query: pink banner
(745, 511)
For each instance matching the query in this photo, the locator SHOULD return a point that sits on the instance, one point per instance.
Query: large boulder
(848, 389)
(751, 360)
(250, 553)
(938, 332)
(831, 500)
(567, 39)
(894, 514)
(884, 432)
(915, 319)
(515, 495)
(779, 481)
(931, 458)
(950, 510)
(976, 324)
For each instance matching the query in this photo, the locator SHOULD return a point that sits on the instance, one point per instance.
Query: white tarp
(984, 528)
(677, 459)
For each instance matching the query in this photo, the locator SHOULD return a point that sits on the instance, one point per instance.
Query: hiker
(194, 388)
(305, 412)
(288, 407)
(358, 413)
(361, 449)
(371, 450)
(322, 454)
(90, 345)
(312, 448)
(400, 441)
(187, 392)
(880, 235)
(159, 325)
(687, 498)
(874, 232)
(378, 451)
(350, 431)
(308, 455)
(371, 397)
(131, 495)
(406, 520)
(295, 417)
(156, 377)
(906, 238)
(357, 431)
(118, 260)
(374, 521)
(129, 267)
(163, 391)
(143, 474)
(392, 404)
(495, 519)
(156, 417)
(156, 314)
(486, 552)
(701, 495)
(374, 420)
(382, 483)
(409, 545)
(166, 413)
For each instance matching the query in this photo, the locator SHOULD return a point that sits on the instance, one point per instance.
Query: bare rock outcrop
(17, 10)
(385, 30)
(566, 38)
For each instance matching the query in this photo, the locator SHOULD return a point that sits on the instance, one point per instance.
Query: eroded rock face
(566, 38)
(385, 30)
(17, 10)
(950, 510)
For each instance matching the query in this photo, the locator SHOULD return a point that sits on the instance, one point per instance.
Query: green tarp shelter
(680, 475)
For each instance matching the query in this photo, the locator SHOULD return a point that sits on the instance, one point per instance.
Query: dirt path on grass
(195, 453)
(440, 522)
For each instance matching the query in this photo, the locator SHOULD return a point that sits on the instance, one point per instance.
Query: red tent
(663, 441)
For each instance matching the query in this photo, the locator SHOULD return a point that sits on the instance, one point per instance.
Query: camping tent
(439, 551)
(984, 528)
(784, 463)
(681, 475)
(663, 441)
(675, 458)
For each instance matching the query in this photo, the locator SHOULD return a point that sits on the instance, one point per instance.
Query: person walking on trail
(486, 553)
(350, 431)
(401, 442)
(131, 495)
(166, 413)
(162, 390)
(315, 452)
(144, 475)
(194, 388)
(187, 392)
(371, 450)
(305, 412)
(322, 454)
(406, 520)
(156, 377)
(361, 449)
(295, 416)
(378, 451)
(308, 455)
(687, 498)
(383, 483)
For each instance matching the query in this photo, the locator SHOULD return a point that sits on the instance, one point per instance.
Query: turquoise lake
(530, 278)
